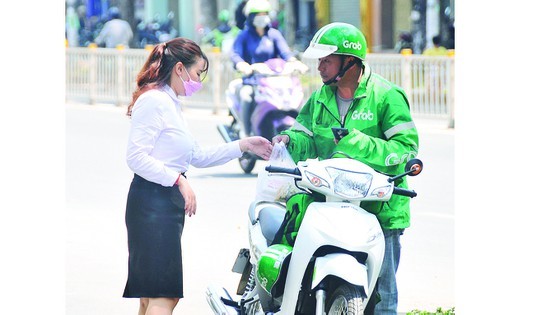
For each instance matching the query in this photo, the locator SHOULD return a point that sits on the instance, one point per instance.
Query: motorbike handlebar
(404, 192)
(278, 169)
(295, 171)
(271, 73)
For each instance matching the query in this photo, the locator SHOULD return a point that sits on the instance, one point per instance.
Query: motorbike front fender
(343, 266)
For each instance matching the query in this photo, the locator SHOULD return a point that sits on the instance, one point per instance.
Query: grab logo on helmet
(349, 44)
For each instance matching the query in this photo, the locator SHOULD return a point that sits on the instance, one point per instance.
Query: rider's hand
(261, 68)
(188, 195)
(300, 66)
(258, 145)
(281, 138)
(244, 68)
(297, 65)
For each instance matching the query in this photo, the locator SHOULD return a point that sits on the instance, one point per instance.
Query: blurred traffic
(108, 40)
(386, 25)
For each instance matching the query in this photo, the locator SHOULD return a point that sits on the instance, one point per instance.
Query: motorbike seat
(270, 219)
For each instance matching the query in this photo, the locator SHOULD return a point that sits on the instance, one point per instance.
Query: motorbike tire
(346, 299)
(247, 163)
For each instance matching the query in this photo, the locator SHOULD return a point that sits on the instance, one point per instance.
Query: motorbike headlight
(381, 191)
(317, 181)
(350, 184)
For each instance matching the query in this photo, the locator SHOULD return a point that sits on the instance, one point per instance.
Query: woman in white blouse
(159, 152)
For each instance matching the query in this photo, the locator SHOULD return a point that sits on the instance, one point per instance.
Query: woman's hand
(188, 195)
(258, 145)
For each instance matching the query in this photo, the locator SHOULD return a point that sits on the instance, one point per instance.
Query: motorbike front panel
(339, 225)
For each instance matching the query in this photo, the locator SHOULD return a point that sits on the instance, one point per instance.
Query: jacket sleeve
(282, 46)
(399, 142)
(238, 52)
(302, 144)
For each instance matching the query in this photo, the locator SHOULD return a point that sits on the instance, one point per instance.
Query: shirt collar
(167, 89)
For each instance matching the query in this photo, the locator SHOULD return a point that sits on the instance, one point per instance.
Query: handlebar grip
(278, 169)
(404, 192)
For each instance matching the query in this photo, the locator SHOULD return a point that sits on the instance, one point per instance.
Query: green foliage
(439, 311)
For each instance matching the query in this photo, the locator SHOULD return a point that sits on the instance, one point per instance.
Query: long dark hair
(157, 70)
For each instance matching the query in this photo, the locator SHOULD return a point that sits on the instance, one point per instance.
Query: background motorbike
(278, 98)
(337, 255)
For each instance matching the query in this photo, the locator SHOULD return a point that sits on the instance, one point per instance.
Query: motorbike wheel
(247, 163)
(346, 299)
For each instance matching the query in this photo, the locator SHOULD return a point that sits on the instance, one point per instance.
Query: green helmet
(257, 6)
(223, 16)
(270, 265)
(337, 38)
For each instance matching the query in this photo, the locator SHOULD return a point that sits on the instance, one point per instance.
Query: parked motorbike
(335, 262)
(278, 98)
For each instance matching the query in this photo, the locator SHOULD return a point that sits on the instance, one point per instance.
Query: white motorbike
(336, 258)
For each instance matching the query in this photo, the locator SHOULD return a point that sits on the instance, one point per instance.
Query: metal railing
(104, 75)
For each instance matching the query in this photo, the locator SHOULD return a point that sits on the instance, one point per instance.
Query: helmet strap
(341, 71)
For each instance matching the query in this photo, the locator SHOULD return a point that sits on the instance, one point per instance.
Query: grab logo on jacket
(395, 159)
(362, 115)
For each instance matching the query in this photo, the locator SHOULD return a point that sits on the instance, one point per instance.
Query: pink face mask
(191, 86)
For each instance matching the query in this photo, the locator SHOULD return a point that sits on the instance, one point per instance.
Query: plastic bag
(276, 187)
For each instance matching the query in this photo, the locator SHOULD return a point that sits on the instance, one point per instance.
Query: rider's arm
(238, 53)
(285, 52)
(281, 45)
(238, 50)
(400, 142)
(301, 145)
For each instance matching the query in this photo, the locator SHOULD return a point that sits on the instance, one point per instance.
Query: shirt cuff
(234, 149)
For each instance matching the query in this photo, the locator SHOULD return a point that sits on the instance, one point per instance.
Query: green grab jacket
(381, 135)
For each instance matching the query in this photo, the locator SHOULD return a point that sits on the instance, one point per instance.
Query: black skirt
(154, 218)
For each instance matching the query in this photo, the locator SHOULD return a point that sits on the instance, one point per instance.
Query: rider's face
(328, 67)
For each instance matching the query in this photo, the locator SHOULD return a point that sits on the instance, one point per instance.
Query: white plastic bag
(276, 187)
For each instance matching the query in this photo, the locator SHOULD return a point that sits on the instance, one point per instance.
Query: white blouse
(159, 145)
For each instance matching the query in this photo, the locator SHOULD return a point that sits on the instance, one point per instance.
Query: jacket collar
(361, 91)
(327, 93)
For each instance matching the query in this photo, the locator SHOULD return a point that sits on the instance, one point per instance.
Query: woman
(159, 152)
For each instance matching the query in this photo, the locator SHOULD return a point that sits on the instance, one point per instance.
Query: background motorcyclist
(115, 32)
(381, 134)
(223, 35)
(240, 17)
(256, 43)
(405, 42)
